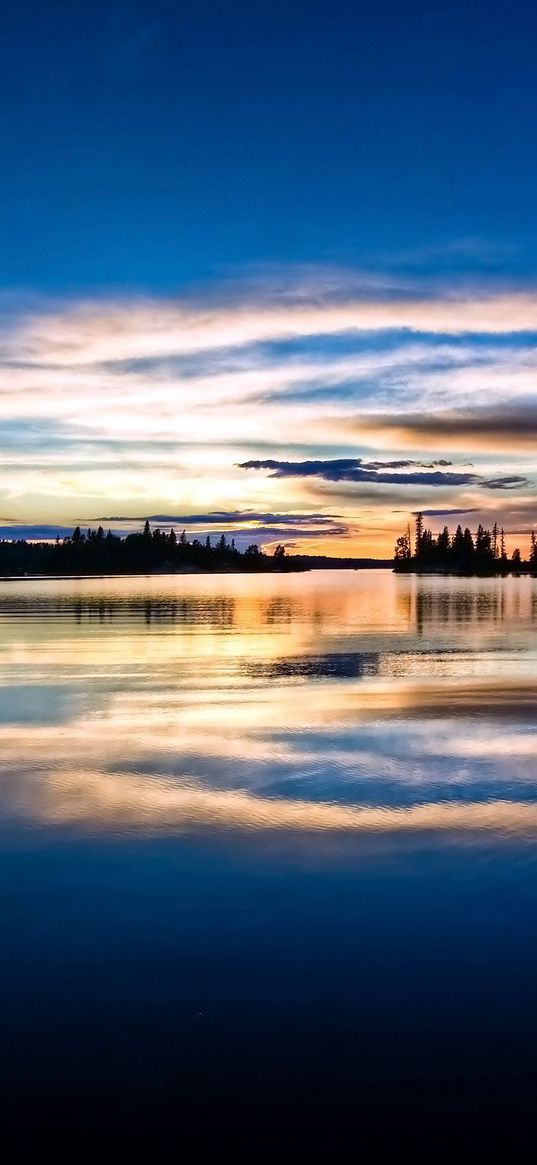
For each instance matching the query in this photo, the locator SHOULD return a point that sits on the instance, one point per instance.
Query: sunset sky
(268, 269)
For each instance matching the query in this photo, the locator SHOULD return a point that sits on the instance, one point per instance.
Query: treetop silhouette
(463, 552)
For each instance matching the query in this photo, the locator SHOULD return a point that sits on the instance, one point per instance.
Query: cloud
(506, 482)
(494, 429)
(154, 402)
(36, 532)
(353, 469)
(405, 464)
(244, 526)
(223, 517)
(450, 511)
(93, 332)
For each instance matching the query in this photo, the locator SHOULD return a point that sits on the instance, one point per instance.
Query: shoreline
(521, 571)
(524, 572)
(181, 574)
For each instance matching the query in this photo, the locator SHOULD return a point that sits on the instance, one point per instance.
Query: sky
(268, 269)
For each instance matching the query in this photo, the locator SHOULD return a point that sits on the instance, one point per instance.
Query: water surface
(268, 851)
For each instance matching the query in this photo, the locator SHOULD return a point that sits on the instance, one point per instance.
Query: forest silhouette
(461, 553)
(96, 552)
(145, 551)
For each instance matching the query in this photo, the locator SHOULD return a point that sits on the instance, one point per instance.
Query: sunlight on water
(344, 703)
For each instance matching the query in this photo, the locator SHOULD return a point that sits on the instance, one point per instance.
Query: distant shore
(97, 553)
(482, 553)
(297, 565)
(472, 572)
(294, 565)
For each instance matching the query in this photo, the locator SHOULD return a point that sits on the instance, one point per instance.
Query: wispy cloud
(95, 332)
(338, 382)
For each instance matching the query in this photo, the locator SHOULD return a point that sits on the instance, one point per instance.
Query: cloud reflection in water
(349, 704)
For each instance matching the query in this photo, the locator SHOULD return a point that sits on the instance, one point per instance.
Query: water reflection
(341, 664)
(435, 603)
(267, 838)
(362, 704)
(375, 599)
(455, 607)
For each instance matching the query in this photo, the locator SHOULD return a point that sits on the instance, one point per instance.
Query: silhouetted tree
(458, 547)
(403, 549)
(533, 549)
(443, 544)
(483, 548)
(495, 535)
(483, 554)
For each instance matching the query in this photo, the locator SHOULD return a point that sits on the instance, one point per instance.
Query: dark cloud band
(355, 470)
(224, 517)
(492, 429)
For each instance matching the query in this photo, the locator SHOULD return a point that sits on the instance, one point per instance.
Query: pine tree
(469, 548)
(457, 547)
(533, 549)
(443, 545)
(495, 533)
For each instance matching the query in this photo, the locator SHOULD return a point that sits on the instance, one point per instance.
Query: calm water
(268, 853)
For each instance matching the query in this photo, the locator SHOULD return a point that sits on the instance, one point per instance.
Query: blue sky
(151, 144)
(164, 163)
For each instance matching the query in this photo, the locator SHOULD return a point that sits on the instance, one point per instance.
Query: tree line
(97, 552)
(481, 553)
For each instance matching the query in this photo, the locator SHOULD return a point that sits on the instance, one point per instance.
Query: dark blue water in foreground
(268, 860)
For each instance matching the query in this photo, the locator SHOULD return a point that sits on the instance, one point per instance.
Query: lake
(268, 854)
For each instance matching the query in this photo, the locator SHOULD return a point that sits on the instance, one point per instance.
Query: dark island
(156, 551)
(461, 553)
